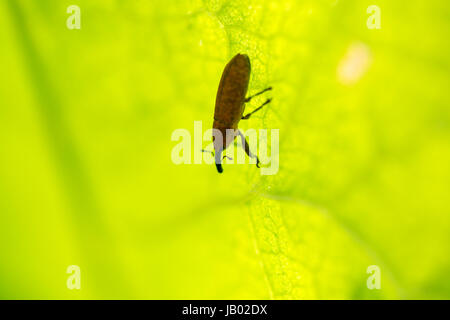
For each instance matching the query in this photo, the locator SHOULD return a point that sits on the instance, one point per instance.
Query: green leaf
(86, 176)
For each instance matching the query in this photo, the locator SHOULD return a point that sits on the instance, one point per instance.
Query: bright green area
(86, 176)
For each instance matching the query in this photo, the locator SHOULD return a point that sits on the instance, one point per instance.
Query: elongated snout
(218, 160)
(219, 167)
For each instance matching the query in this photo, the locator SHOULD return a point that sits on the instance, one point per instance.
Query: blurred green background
(86, 176)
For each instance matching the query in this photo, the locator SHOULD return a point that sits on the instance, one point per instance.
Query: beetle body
(230, 99)
(231, 93)
(230, 105)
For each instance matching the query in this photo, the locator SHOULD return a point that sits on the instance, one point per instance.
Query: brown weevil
(230, 105)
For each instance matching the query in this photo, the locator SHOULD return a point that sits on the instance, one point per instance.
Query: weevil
(230, 105)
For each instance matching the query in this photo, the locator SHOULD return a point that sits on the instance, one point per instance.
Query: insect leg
(212, 152)
(257, 94)
(247, 148)
(257, 109)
